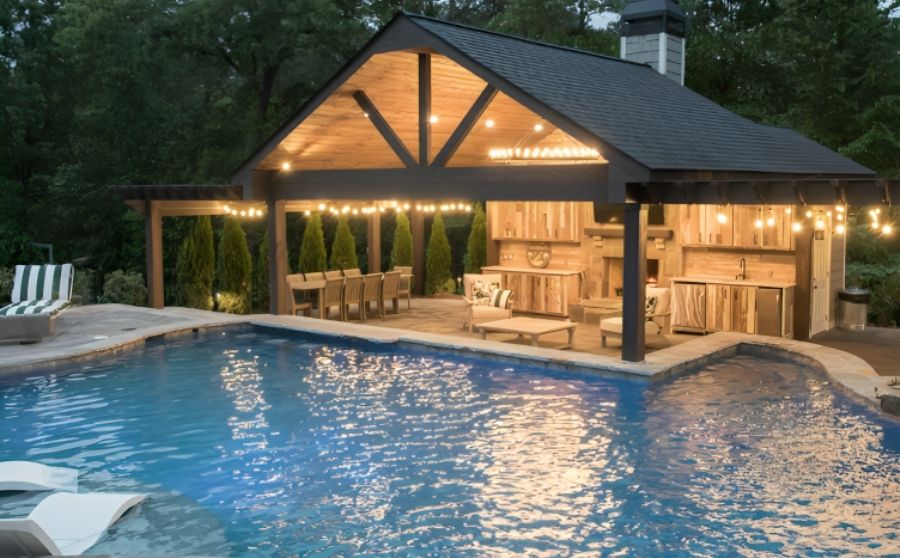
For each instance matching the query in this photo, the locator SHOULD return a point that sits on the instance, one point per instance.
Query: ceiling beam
(424, 108)
(388, 133)
(465, 126)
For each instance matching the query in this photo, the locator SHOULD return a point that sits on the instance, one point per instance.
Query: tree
(402, 247)
(312, 248)
(343, 249)
(195, 267)
(235, 271)
(261, 277)
(476, 250)
(437, 260)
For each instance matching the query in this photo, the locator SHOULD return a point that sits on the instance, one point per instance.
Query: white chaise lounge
(31, 476)
(64, 524)
(656, 319)
(40, 292)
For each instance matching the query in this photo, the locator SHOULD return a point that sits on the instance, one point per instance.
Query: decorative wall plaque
(538, 254)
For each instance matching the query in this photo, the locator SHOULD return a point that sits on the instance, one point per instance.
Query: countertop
(741, 282)
(532, 270)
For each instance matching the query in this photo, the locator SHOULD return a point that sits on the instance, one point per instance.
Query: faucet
(743, 274)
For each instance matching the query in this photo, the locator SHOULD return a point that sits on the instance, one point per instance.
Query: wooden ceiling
(338, 134)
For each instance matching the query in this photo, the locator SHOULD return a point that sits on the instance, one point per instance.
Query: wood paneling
(718, 307)
(743, 309)
(542, 293)
(562, 255)
(537, 221)
(745, 226)
(761, 265)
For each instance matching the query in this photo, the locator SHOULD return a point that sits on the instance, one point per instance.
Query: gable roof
(625, 105)
(657, 122)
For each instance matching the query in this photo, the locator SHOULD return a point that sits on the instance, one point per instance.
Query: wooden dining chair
(351, 272)
(298, 300)
(390, 290)
(333, 296)
(371, 293)
(333, 274)
(353, 294)
(406, 280)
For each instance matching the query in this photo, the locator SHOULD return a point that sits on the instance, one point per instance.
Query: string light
(797, 227)
(840, 229)
(809, 214)
(247, 212)
(558, 153)
(887, 229)
(721, 218)
(381, 207)
(538, 127)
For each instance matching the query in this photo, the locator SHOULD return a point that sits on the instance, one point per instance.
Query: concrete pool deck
(87, 331)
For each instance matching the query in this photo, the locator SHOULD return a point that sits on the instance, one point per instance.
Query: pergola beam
(424, 107)
(388, 133)
(465, 126)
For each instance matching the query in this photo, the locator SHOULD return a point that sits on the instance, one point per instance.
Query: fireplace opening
(614, 282)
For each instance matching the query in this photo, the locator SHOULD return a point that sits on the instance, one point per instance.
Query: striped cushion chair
(39, 293)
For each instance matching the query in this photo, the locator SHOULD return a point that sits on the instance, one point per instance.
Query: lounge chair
(64, 524)
(481, 305)
(656, 317)
(31, 476)
(39, 293)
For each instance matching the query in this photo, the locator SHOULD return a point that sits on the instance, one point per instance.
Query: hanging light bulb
(797, 227)
(887, 229)
(538, 127)
(721, 218)
(809, 214)
(307, 213)
(840, 229)
(758, 223)
(788, 210)
(770, 221)
(285, 166)
(322, 207)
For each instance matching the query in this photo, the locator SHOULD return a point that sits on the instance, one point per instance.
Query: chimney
(653, 33)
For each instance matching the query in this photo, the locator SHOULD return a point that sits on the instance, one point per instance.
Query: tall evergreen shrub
(476, 248)
(437, 260)
(343, 250)
(235, 271)
(312, 248)
(195, 267)
(402, 247)
(261, 277)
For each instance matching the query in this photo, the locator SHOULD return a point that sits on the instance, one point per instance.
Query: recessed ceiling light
(538, 127)
(285, 166)
(433, 119)
(489, 123)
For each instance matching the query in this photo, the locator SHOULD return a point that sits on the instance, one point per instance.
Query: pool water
(257, 442)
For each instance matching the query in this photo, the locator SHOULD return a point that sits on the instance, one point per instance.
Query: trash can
(854, 308)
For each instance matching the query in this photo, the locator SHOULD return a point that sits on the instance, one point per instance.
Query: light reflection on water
(255, 446)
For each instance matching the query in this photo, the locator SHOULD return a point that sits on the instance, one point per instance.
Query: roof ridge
(523, 39)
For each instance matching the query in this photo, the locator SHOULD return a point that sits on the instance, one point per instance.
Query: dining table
(317, 285)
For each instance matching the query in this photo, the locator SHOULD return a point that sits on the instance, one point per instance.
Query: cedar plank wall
(712, 262)
(838, 254)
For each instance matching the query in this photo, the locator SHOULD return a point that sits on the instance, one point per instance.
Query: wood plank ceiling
(338, 134)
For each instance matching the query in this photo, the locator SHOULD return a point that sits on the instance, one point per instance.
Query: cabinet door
(689, 305)
(718, 307)
(746, 229)
(776, 232)
(743, 309)
(691, 224)
(718, 225)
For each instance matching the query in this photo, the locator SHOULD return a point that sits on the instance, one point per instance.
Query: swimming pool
(256, 442)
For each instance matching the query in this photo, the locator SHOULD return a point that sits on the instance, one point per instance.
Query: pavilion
(431, 110)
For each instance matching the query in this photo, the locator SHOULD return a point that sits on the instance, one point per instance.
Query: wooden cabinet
(540, 291)
(539, 221)
(730, 306)
(740, 226)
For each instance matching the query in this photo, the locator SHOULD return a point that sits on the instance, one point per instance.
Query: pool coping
(849, 373)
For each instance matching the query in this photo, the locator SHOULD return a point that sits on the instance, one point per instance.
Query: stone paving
(87, 331)
(879, 346)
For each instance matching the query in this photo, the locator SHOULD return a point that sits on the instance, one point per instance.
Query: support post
(373, 238)
(275, 221)
(424, 108)
(634, 283)
(803, 241)
(418, 234)
(153, 224)
(492, 256)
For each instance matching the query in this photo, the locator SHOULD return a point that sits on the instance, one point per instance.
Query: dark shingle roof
(652, 119)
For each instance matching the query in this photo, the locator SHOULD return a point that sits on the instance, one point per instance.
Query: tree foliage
(261, 276)
(195, 268)
(402, 246)
(343, 250)
(235, 269)
(122, 287)
(437, 258)
(312, 248)
(476, 248)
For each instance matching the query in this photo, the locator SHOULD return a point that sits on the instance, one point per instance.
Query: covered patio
(432, 115)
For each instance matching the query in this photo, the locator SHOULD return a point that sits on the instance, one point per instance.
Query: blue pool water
(265, 443)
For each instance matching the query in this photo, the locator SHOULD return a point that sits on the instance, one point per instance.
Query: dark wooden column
(275, 218)
(418, 236)
(153, 224)
(493, 247)
(424, 108)
(634, 282)
(803, 240)
(373, 238)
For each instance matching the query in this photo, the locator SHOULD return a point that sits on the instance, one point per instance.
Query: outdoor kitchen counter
(529, 270)
(739, 282)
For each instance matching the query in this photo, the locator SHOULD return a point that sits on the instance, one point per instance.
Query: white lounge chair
(656, 318)
(64, 524)
(28, 475)
(39, 293)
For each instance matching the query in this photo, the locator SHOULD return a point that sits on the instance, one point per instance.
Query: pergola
(430, 110)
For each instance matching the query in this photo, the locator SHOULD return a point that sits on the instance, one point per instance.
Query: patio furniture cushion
(614, 325)
(34, 307)
(43, 282)
(500, 298)
(650, 306)
(483, 292)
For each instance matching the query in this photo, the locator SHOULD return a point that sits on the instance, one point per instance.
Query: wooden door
(821, 277)
(718, 307)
